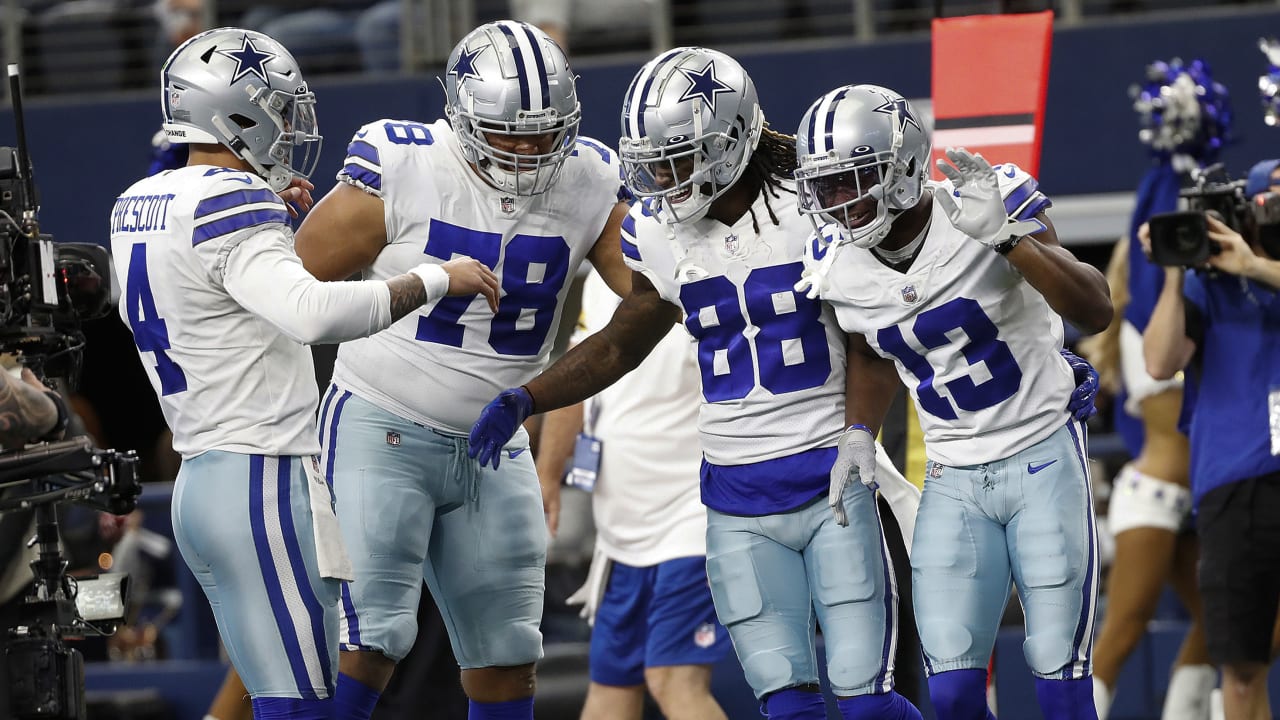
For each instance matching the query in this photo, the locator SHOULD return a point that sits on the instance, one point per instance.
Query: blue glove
(1081, 403)
(498, 423)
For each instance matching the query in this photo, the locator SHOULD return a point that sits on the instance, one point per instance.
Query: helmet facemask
(833, 189)
(295, 152)
(521, 174)
(682, 175)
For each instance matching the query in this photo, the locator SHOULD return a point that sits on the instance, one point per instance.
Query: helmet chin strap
(276, 176)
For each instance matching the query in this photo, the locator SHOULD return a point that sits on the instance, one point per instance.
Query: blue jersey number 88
(525, 301)
(930, 328)
(790, 345)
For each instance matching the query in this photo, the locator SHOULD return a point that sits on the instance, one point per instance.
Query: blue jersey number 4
(984, 346)
(150, 333)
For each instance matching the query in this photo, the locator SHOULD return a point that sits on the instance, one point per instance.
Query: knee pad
(960, 694)
(1139, 500)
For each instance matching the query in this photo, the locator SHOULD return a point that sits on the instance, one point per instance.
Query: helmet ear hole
(244, 122)
(912, 167)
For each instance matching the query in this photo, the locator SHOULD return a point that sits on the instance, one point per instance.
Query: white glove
(983, 216)
(592, 591)
(856, 451)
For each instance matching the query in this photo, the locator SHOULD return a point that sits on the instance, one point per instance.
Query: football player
(221, 310)
(504, 179)
(716, 237)
(958, 287)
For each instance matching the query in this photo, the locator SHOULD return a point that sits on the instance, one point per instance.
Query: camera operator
(1224, 320)
(28, 412)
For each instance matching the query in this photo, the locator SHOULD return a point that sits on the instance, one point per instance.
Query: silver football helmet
(508, 78)
(243, 90)
(690, 122)
(859, 142)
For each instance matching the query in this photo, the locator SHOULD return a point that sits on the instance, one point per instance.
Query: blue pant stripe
(315, 611)
(324, 412)
(1084, 630)
(349, 620)
(266, 563)
(890, 610)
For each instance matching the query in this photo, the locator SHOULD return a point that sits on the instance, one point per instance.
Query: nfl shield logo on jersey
(507, 204)
(909, 294)
(705, 635)
(393, 439)
(731, 243)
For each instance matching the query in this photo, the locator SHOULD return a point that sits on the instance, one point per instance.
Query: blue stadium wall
(89, 149)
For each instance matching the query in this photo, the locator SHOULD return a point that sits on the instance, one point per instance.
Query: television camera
(1182, 238)
(46, 290)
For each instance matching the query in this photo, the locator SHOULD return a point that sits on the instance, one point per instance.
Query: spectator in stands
(1185, 122)
(589, 24)
(340, 36)
(646, 596)
(1224, 320)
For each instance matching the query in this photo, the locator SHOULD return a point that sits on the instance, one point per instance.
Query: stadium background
(90, 129)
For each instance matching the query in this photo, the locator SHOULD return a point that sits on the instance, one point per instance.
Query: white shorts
(1133, 369)
(1139, 500)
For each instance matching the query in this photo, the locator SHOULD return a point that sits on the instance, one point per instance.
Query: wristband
(1004, 247)
(435, 279)
(64, 417)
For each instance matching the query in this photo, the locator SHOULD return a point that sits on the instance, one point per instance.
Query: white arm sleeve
(265, 276)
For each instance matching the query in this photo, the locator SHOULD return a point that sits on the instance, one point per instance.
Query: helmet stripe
(522, 68)
(536, 51)
(830, 125)
(645, 81)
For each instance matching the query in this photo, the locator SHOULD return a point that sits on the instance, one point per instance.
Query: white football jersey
(227, 379)
(646, 502)
(975, 344)
(441, 365)
(772, 361)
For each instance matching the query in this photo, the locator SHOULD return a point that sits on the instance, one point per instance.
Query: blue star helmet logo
(904, 112)
(704, 84)
(465, 66)
(249, 60)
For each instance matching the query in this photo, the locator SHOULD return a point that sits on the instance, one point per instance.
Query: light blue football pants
(1026, 519)
(773, 576)
(243, 525)
(413, 506)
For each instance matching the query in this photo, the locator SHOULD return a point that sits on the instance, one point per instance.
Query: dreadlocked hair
(773, 161)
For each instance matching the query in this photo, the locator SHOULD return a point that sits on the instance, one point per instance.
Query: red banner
(990, 75)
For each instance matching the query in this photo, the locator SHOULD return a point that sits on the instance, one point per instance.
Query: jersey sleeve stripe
(364, 151)
(629, 246)
(362, 175)
(226, 201)
(1025, 201)
(240, 221)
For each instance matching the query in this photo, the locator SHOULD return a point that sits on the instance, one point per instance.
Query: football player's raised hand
(297, 197)
(468, 276)
(983, 216)
(497, 424)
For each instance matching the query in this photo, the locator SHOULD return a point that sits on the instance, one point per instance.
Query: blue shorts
(412, 507)
(1027, 519)
(243, 526)
(655, 616)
